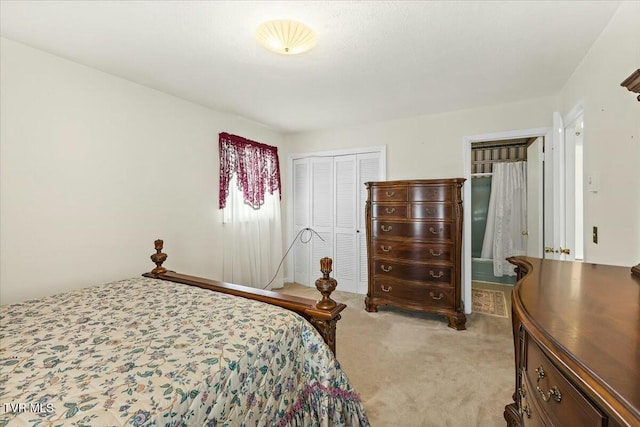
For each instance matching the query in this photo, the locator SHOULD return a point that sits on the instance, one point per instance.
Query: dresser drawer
(412, 251)
(417, 294)
(428, 193)
(414, 272)
(557, 398)
(531, 415)
(415, 230)
(431, 210)
(387, 210)
(389, 194)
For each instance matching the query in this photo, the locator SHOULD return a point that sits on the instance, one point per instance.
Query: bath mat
(489, 302)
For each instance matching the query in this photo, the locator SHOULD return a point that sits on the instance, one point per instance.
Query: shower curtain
(507, 216)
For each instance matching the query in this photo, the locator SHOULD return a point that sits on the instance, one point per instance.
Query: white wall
(94, 168)
(612, 138)
(428, 146)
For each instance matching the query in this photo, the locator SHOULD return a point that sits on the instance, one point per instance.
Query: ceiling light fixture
(286, 37)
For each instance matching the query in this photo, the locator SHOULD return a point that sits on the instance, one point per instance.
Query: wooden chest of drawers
(576, 345)
(414, 246)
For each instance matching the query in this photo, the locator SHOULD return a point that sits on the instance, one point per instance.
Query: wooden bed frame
(323, 314)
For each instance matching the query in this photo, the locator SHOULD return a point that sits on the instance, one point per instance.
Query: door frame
(466, 196)
(576, 235)
(290, 231)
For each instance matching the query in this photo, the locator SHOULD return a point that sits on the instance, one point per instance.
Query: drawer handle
(526, 410)
(390, 210)
(386, 228)
(435, 253)
(439, 275)
(386, 269)
(391, 193)
(540, 373)
(432, 295)
(553, 392)
(385, 289)
(434, 231)
(430, 211)
(522, 392)
(385, 248)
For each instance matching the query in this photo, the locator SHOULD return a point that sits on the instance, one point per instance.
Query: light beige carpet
(411, 369)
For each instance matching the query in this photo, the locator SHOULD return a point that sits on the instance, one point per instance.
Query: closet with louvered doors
(329, 197)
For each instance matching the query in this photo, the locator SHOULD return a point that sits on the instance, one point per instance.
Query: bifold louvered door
(329, 197)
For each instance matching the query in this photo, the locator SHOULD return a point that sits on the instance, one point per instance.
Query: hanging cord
(303, 240)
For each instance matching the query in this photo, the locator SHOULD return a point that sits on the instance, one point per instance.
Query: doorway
(499, 206)
(556, 227)
(527, 134)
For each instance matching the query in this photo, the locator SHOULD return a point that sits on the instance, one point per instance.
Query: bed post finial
(326, 285)
(158, 258)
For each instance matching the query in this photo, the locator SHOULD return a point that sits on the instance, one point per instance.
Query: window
(250, 200)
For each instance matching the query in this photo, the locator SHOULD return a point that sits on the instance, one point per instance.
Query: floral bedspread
(150, 352)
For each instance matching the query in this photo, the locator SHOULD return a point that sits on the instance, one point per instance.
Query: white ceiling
(374, 61)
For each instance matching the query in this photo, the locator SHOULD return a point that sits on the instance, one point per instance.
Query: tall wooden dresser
(414, 246)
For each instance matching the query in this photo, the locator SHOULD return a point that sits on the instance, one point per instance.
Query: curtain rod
(475, 162)
(493, 147)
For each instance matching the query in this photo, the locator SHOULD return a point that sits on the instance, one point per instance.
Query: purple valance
(256, 167)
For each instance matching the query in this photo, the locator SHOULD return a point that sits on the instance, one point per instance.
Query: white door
(535, 169)
(345, 264)
(548, 200)
(301, 219)
(559, 193)
(350, 263)
(568, 250)
(322, 206)
(370, 168)
(312, 210)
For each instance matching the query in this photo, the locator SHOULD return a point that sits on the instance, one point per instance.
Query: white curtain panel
(507, 216)
(252, 241)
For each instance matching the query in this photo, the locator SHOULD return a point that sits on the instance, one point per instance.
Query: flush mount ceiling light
(286, 37)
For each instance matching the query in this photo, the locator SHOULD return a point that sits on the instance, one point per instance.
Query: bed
(152, 351)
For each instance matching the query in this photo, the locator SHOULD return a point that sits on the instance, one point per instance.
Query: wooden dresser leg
(370, 306)
(511, 416)
(458, 321)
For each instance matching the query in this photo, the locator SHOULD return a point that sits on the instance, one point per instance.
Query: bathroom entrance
(498, 207)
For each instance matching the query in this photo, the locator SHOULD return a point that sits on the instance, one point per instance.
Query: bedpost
(326, 285)
(327, 317)
(158, 258)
